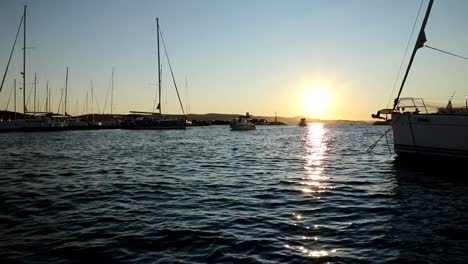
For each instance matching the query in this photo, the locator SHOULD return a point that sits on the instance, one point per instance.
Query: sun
(316, 101)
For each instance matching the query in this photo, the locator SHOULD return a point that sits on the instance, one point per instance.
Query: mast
(35, 84)
(159, 69)
(112, 90)
(419, 44)
(65, 100)
(14, 89)
(92, 100)
(186, 91)
(87, 117)
(24, 61)
(48, 97)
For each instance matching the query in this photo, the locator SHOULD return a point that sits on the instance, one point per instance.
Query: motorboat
(242, 123)
(303, 122)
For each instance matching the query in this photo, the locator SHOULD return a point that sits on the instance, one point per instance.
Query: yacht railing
(411, 105)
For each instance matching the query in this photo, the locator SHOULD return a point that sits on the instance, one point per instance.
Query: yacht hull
(154, 124)
(431, 135)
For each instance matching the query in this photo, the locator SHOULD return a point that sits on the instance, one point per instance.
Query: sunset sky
(328, 59)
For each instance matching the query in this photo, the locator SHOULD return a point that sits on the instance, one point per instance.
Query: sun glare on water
(316, 101)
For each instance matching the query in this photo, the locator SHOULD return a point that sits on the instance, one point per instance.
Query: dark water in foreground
(277, 194)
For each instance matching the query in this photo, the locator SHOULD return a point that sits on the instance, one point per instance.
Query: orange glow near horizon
(316, 101)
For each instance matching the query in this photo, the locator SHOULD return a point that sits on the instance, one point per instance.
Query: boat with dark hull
(144, 120)
(303, 122)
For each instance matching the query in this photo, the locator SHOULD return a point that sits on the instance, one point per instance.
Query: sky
(257, 56)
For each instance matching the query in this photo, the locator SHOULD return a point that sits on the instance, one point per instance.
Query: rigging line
(60, 102)
(156, 95)
(172, 73)
(446, 52)
(9, 97)
(371, 147)
(406, 52)
(11, 54)
(107, 95)
(29, 96)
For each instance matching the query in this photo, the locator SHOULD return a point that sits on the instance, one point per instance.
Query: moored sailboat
(152, 120)
(418, 132)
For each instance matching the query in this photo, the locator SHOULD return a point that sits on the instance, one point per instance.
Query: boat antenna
(11, 53)
(172, 73)
(419, 44)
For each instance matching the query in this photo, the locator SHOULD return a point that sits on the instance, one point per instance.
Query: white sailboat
(418, 132)
(26, 123)
(152, 120)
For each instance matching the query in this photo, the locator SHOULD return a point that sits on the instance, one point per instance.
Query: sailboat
(152, 120)
(418, 132)
(28, 122)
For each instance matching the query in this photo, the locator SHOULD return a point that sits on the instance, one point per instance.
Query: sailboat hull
(154, 124)
(431, 135)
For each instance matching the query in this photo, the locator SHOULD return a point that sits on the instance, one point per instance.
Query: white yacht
(242, 123)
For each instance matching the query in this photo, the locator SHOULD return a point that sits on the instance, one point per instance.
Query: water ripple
(274, 195)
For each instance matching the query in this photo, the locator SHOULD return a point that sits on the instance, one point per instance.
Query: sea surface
(281, 194)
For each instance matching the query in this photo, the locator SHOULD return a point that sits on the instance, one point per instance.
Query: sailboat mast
(47, 97)
(419, 44)
(24, 60)
(112, 91)
(92, 100)
(65, 100)
(35, 84)
(14, 88)
(159, 68)
(86, 111)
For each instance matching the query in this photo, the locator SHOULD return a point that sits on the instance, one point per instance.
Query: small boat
(242, 123)
(303, 122)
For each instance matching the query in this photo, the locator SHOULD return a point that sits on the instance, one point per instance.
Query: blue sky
(257, 56)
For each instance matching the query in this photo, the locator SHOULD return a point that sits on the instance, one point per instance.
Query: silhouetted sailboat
(28, 122)
(152, 120)
(416, 131)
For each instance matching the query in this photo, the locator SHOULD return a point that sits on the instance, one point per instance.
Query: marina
(269, 154)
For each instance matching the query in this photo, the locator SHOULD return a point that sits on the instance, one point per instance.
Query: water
(207, 194)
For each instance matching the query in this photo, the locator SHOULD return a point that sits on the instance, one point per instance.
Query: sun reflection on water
(315, 153)
(313, 184)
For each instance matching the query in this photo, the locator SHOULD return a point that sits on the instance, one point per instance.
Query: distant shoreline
(209, 117)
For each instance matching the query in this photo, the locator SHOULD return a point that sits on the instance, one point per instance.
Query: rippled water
(207, 194)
